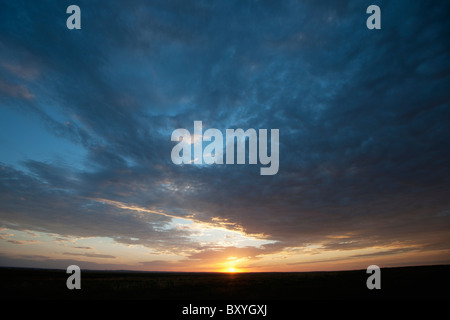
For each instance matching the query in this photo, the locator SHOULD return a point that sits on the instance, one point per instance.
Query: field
(424, 282)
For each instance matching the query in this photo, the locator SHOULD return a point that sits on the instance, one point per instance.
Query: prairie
(422, 282)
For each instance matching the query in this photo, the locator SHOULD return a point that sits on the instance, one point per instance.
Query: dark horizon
(180, 289)
(87, 115)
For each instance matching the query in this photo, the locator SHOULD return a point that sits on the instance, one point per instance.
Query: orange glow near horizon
(231, 270)
(98, 252)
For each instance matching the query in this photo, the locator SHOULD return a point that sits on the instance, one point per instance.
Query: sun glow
(231, 269)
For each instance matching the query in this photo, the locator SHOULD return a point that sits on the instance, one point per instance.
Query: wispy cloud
(90, 255)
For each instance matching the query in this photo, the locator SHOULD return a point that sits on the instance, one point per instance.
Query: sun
(230, 270)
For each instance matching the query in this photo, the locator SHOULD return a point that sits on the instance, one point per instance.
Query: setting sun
(232, 270)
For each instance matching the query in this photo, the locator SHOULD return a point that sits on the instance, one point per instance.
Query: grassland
(424, 282)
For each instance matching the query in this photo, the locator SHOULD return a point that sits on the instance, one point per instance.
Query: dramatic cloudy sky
(86, 118)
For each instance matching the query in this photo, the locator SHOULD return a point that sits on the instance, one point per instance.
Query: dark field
(425, 282)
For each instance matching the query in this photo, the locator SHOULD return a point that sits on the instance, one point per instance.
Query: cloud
(90, 255)
(43, 261)
(22, 241)
(16, 91)
(159, 264)
(221, 254)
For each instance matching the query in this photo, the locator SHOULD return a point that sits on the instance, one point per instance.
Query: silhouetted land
(424, 282)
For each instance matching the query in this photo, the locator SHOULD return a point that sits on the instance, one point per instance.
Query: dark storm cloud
(363, 118)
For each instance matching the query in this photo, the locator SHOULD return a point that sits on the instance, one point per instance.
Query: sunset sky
(86, 118)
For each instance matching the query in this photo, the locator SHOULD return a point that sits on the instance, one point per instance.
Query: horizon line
(222, 272)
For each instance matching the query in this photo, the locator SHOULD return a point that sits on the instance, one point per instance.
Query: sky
(86, 118)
